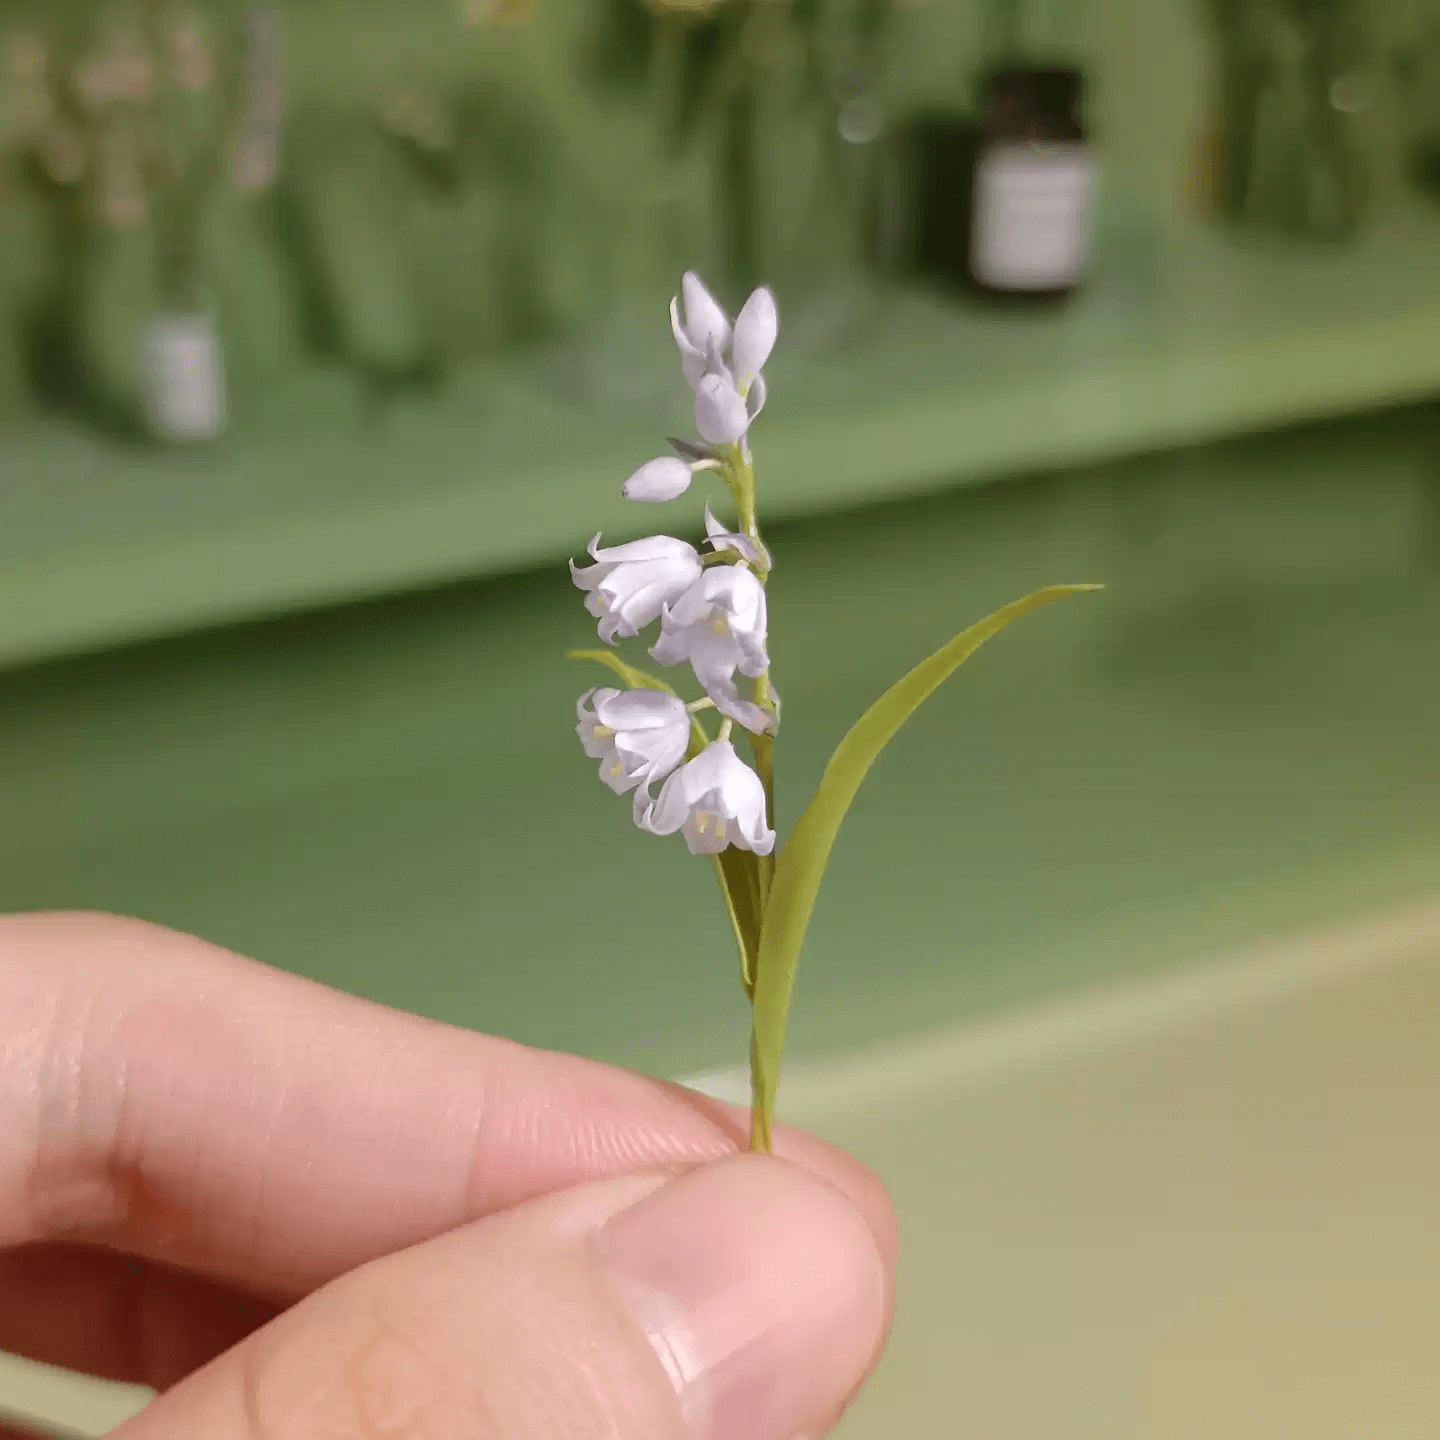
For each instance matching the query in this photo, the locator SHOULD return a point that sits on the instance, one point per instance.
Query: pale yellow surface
(67, 1404)
(1200, 1206)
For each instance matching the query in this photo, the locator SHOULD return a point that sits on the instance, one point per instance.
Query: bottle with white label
(184, 377)
(1032, 186)
(998, 202)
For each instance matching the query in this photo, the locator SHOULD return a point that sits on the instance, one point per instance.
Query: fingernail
(762, 1291)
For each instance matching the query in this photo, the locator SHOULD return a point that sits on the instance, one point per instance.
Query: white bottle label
(184, 382)
(1032, 216)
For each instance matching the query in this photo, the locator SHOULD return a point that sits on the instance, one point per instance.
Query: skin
(294, 1212)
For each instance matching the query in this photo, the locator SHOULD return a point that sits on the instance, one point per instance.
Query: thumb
(744, 1300)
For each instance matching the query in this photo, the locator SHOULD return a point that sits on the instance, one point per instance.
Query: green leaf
(739, 878)
(635, 679)
(801, 864)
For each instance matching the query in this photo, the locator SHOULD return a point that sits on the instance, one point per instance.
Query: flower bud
(658, 480)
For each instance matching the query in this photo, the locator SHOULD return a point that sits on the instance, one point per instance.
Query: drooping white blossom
(630, 585)
(716, 799)
(638, 736)
(658, 480)
(718, 626)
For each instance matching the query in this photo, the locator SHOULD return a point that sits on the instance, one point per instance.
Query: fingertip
(865, 1190)
(762, 1290)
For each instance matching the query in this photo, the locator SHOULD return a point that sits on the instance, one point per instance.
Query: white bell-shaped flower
(630, 585)
(658, 480)
(718, 626)
(717, 800)
(638, 736)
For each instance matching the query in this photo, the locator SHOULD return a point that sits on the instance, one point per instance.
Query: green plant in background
(714, 619)
(1294, 82)
(24, 109)
(1415, 63)
(759, 118)
(148, 124)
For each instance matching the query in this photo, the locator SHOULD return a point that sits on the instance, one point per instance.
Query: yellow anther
(702, 820)
(720, 829)
(603, 732)
(617, 768)
(718, 625)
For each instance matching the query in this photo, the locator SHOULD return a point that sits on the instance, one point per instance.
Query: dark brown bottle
(1002, 205)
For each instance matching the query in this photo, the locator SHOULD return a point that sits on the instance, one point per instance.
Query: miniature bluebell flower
(629, 585)
(638, 736)
(718, 626)
(717, 800)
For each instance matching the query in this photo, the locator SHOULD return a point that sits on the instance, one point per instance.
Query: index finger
(166, 1098)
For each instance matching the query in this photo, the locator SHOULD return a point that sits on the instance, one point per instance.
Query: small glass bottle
(1002, 203)
(1032, 186)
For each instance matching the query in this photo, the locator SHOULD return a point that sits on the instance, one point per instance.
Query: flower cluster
(711, 606)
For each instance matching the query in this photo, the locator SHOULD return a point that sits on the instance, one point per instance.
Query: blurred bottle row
(197, 201)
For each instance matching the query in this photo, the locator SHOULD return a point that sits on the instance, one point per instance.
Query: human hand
(298, 1214)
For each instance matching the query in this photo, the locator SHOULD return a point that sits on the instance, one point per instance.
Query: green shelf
(1182, 336)
(1237, 738)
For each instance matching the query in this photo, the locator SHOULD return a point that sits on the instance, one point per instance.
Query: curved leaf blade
(801, 864)
(635, 679)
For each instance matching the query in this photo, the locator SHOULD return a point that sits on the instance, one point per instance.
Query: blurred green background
(301, 688)
(330, 328)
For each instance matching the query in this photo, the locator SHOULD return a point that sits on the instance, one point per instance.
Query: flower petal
(614, 627)
(672, 648)
(755, 397)
(627, 710)
(756, 328)
(619, 776)
(707, 833)
(583, 577)
(658, 480)
(722, 539)
(692, 356)
(714, 659)
(720, 414)
(639, 607)
(758, 836)
(653, 547)
(671, 810)
(594, 745)
(740, 594)
(704, 319)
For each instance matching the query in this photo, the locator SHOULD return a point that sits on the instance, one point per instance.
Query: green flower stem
(739, 474)
(740, 477)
